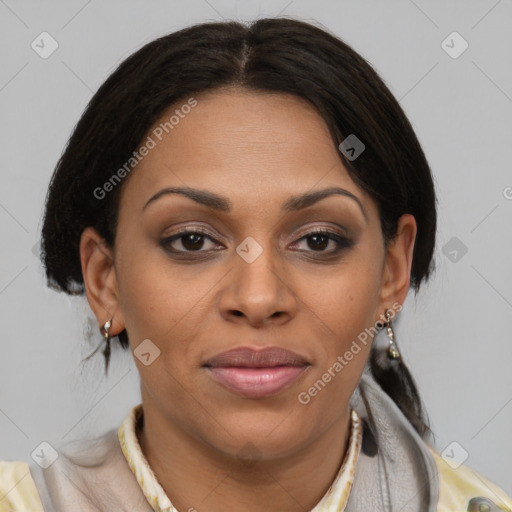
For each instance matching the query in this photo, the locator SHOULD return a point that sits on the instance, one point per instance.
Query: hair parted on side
(280, 55)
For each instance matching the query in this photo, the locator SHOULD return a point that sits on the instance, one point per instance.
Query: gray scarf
(395, 471)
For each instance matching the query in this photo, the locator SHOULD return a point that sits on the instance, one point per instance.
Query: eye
(319, 240)
(190, 240)
(194, 240)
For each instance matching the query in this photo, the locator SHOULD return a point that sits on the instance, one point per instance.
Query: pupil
(195, 239)
(320, 241)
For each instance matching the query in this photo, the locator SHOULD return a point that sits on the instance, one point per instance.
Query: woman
(245, 208)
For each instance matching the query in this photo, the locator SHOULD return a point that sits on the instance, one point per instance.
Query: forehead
(244, 142)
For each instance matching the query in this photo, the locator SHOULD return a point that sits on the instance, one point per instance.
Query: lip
(256, 373)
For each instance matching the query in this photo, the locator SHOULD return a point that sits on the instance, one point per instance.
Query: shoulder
(18, 492)
(459, 484)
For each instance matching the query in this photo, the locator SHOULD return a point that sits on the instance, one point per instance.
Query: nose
(258, 292)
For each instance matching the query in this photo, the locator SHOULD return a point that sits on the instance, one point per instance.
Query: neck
(195, 477)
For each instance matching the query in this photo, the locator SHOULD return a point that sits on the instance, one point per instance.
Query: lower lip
(256, 382)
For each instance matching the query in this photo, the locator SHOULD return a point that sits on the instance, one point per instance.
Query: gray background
(455, 336)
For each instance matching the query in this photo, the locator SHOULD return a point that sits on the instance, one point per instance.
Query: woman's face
(253, 274)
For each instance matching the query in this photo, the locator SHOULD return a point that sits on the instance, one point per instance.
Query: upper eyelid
(204, 232)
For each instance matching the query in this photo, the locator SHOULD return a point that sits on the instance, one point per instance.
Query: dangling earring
(106, 340)
(106, 336)
(393, 352)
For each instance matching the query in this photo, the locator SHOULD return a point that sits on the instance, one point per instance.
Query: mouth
(256, 373)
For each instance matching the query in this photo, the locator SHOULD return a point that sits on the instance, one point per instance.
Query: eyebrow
(222, 204)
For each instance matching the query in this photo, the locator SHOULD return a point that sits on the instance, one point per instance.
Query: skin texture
(210, 448)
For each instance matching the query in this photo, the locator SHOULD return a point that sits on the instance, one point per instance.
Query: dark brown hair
(273, 54)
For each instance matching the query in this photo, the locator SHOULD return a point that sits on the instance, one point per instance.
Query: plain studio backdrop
(448, 63)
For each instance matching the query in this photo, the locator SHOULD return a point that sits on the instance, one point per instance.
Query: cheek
(351, 320)
(162, 303)
(151, 302)
(156, 307)
(348, 300)
(345, 309)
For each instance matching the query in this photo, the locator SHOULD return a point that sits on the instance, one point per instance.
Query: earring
(106, 336)
(393, 352)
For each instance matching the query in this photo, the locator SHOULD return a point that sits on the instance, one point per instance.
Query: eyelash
(343, 242)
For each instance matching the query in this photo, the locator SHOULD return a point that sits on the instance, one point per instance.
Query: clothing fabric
(387, 467)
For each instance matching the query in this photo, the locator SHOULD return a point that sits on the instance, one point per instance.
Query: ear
(396, 275)
(100, 280)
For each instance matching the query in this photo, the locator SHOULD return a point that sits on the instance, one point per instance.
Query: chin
(266, 435)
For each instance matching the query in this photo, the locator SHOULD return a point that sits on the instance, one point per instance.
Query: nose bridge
(257, 289)
(256, 268)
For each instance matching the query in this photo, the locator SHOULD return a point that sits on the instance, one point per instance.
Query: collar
(334, 500)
